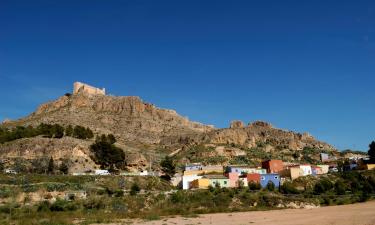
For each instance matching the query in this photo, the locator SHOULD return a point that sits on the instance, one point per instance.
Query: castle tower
(79, 87)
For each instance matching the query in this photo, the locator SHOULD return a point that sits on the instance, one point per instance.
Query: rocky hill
(142, 128)
(128, 118)
(263, 133)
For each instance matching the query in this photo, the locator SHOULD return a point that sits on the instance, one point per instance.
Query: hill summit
(142, 129)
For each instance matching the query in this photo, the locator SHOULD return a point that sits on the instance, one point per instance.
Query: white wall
(187, 179)
(306, 170)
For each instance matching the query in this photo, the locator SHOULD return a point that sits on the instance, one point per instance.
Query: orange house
(253, 177)
(273, 166)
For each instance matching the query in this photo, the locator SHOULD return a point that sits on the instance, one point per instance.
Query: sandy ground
(357, 214)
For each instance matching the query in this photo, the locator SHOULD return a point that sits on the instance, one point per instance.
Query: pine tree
(51, 166)
(64, 168)
(168, 167)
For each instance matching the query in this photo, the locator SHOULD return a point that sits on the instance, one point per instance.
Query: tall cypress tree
(371, 151)
(51, 166)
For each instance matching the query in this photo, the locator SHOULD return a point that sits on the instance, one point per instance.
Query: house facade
(202, 183)
(273, 166)
(316, 170)
(253, 177)
(324, 168)
(187, 179)
(220, 180)
(244, 170)
(195, 166)
(324, 157)
(233, 179)
(306, 170)
(271, 177)
(295, 172)
(370, 166)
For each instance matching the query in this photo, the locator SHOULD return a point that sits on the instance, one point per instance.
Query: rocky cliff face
(262, 133)
(128, 118)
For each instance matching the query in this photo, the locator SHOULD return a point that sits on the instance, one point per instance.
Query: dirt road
(357, 214)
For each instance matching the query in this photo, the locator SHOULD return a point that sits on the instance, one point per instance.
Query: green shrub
(94, 203)
(58, 205)
(340, 187)
(289, 188)
(248, 198)
(254, 186)
(135, 189)
(4, 192)
(179, 197)
(270, 186)
(43, 206)
(56, 187)
(323, 186)
(118, 193)
(222, 200)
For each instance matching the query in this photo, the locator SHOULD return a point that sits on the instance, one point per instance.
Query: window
(225, 182)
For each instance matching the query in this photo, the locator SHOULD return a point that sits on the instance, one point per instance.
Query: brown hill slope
(128, 118)
(142, 128)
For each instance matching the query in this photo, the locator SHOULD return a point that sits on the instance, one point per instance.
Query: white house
(102, 172)
(306, 170)
(144, 173)
(187, 179)
(10, 171)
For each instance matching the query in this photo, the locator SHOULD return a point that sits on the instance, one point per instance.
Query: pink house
(233, 179)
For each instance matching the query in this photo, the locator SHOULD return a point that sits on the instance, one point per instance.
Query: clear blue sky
(301, 65)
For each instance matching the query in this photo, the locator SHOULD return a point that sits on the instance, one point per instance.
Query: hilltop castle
(87, 89)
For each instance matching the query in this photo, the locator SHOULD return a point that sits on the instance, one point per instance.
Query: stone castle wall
(85, 88)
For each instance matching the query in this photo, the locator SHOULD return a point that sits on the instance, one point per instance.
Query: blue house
(350, 167)
(244, 169)
(233, 169)
(270, 177)
(193, 167)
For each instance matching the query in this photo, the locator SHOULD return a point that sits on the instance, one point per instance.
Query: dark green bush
(289, 188)
(43, 206)
(254, 186)
(135, 189)
(340, 187)
(270, 186)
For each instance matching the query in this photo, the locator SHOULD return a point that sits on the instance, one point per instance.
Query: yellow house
(200, 183)
(193, 172)
(370, 166)
(295, 172)
(324, 168)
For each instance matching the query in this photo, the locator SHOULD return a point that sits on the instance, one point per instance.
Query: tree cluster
(106, 153)
(168, 167)
(46, 130)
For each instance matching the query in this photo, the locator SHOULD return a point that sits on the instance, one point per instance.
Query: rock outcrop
(237, 124)
(263, 133)
(128, 118)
